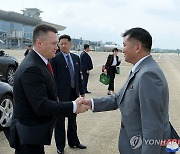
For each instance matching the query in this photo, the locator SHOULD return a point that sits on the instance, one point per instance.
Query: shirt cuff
(92, 105)
(74, 107)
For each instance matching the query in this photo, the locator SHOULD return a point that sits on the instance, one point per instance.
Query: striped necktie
(71, 71)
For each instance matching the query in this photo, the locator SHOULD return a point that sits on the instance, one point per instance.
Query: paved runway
(99, 131)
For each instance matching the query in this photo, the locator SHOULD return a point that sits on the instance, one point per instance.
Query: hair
(41, 30)
(141, 35)
(86, 46)
(115, 49)
(65, 37)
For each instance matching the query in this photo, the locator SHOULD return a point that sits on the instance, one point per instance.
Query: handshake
(83, 105)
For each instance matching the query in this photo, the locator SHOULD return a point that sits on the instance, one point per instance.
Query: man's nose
(56, 47)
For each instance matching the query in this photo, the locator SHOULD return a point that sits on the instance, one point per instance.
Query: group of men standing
(47, 86)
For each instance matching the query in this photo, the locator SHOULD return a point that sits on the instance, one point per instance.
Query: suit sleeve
(107, 103)
(35, 86)
(81, 62)
(151, 104)
(118, 63)
(80, 80)
(108, 62)
(90, 65)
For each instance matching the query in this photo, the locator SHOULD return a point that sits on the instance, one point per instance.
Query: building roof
(20, 18)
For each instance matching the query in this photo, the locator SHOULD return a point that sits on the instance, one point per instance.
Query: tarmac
(100, 131)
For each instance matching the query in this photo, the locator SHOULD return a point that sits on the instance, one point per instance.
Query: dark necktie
(71, 71)
(50, 68)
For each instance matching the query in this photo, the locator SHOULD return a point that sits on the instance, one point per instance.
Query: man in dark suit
(35, 98)
(66, 67)
(86, 66)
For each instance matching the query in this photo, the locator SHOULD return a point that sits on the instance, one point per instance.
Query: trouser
(111, 72)
(60, 132)
(85, 79)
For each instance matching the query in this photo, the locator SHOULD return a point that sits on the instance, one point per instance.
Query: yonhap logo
(136, 141)
(172, 146)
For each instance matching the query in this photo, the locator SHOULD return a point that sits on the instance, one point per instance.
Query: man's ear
(39, 43)
(138, 47)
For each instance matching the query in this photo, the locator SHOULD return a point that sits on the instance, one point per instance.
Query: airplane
(108, 48)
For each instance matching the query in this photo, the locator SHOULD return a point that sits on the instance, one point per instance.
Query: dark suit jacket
(35, 103)
(63, 78)
(86, 62)
(110, 61)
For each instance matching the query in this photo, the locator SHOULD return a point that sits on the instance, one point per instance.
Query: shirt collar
(43, 58)
(138, 63)
(65, 54)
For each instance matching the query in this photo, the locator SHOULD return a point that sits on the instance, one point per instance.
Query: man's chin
(54, 55)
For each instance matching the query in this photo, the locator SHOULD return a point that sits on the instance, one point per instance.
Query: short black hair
(65, 37)
(115, 49)
(141, 35)
(42, 29)
(86, 46)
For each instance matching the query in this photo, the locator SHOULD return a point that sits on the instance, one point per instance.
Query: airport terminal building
(16, 29)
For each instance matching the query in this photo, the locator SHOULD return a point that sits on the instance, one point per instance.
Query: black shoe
(60, 152)
(80, 146)
(108, 94)
(88, 92)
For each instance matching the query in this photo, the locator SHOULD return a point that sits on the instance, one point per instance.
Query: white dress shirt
(114, 61)
(138, 63)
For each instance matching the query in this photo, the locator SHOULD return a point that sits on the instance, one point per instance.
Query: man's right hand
(80, 106)
(87, 102)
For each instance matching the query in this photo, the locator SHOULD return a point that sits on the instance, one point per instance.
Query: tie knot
(67, 56)
(48, 64)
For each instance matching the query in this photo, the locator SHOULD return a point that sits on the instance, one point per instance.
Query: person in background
(110, 69)
(28, 50)
(86, 66)
(66, 67)
(35, 104)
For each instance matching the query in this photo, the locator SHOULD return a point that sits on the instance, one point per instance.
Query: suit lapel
(63, 61)
(134, 74)
(42, 63)
(126, 85)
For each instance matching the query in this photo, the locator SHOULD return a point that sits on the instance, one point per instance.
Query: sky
(106, 20)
